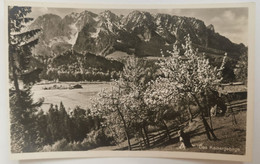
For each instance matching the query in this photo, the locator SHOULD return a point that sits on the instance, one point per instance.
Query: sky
(229, 22)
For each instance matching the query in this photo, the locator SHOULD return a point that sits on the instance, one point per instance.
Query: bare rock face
(59, 35)
(49, 24)
(211, 28)
(98, 37)
(139, 33)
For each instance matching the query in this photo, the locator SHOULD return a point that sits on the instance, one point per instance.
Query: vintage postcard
(166, 81)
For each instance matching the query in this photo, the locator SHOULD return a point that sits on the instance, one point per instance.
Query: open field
(117, 55)
(70, 97)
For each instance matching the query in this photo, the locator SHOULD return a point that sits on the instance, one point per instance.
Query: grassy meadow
(231, 137)
(69, 97)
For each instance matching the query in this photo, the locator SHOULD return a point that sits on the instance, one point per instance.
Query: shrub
(59, 145)
(93, 139)
(98, 138)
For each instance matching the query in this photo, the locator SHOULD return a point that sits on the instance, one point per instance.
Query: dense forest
(72, 66)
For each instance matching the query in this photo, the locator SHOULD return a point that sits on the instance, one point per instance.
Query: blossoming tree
(187, 75)
(123, 108)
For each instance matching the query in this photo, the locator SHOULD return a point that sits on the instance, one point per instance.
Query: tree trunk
(230, 110)
(124, 123)
(189, 111)
(125, 129)
(146, 136)
(209, 129)
(15, 77)
(208, 109)
(210, 120)
(142, 134)
(12, 64)
(205, 123)
(128, 139)
(206, 126)
(167, 130)
(16, 85)
(234, 120)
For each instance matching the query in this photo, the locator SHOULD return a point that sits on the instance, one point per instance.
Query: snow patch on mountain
(158, 22)
(57, 39)
(95, 34)
(96, 19)
(110, 26)
(74, 34)
(73, 38)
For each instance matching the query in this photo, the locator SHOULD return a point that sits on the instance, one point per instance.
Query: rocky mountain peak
(48, 23)
(107, 14)
(49, 16)
(45, 21)
(89, 13)
(138, 16)
(73, 15)
(139, 33)
(138, 19)
(159, 18)
(211, 28)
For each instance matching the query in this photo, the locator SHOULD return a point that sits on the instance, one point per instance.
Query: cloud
(43, 10)
(232, 24)
(229, 15)
(38, 11)
(216, 19)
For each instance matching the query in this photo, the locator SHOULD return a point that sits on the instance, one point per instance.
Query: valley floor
(69, 97)
(231, 137)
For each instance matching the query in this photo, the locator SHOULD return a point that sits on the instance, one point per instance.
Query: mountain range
(140, 33)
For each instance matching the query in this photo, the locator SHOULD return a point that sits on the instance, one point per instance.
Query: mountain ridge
(140, 33)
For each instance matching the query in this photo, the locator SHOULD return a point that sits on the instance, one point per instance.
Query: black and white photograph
(148, 80)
